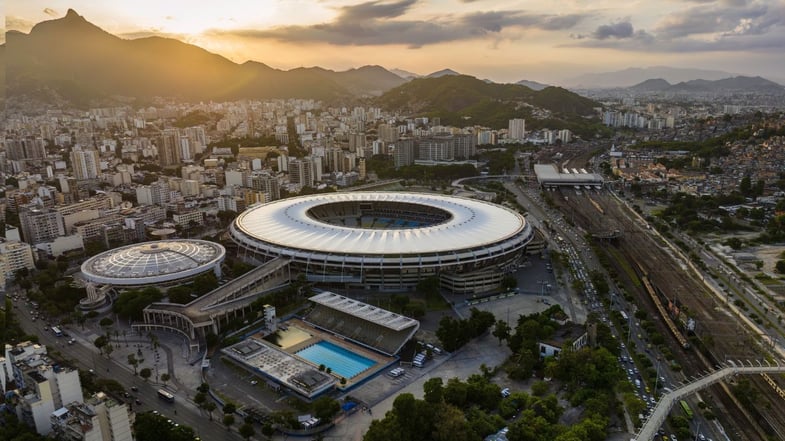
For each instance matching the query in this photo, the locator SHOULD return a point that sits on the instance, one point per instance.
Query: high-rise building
(301, 172)
(465, 145)
(516, 129)
(25, 148)
(86, 164)
(40, 225)
(403, 152)
(43, 387)
(99, 419)
(356, 141)
(267, 184)
(169, 148)
(156, 193)
(387, 132)
(436, 148)
(14, 256)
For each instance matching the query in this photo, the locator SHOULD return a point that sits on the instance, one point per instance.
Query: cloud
(721, 18)
(51, 12)
(13, 23)
(724, 25)
(144, 33)
(375, 10)
(377, 23)
(622, 29)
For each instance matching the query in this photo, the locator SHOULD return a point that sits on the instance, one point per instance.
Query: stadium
(161, 262)
(387, 240)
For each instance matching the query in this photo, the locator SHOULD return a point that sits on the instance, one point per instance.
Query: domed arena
(387, 240)
(161, 262)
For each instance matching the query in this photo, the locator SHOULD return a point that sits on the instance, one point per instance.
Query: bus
(165, 395)
(57, 331)
(686, 408)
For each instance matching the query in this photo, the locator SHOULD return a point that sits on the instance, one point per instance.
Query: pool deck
(381, 361)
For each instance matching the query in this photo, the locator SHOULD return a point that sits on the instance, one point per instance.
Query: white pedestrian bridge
(666, 402)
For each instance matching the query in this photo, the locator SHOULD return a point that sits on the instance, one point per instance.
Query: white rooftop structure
(549, 175)
(364, 311)
(385, 239)
(154, 262)
(293, 223)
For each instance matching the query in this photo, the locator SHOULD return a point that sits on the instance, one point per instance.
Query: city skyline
(505, 41)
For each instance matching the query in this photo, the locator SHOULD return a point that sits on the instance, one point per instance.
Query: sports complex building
(387, 240)
(160, 262)
(350, 340)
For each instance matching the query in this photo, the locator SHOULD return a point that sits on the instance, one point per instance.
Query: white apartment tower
(86, 164)
(516, 129)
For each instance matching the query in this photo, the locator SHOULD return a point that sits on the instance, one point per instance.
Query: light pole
(656, 378)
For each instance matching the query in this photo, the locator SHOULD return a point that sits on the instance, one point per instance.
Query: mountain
(633, 76)
(653, 85)
(373, 80)
(533, 85)
(90, 63)
(441, 73)
(725, 85)
(457, 99)
(405, 74)
(734, 84)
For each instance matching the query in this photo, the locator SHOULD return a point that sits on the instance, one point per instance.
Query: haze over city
(504, 41)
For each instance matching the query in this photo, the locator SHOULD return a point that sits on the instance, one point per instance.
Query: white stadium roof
(158, 261)
(472, 223)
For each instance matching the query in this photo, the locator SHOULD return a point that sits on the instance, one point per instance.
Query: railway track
(662, 277)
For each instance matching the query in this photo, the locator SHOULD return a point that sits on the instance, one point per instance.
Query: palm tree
(210, 407)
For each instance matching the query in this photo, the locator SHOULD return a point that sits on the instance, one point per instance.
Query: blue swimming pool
(342, 361)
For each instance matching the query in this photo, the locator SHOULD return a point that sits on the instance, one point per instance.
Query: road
(85, 356)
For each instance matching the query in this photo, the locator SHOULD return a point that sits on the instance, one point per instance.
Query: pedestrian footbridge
(730, 368)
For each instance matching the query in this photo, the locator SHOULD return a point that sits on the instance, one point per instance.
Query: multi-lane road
(83, 355)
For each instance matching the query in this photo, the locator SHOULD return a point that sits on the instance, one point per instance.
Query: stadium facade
(387, 240)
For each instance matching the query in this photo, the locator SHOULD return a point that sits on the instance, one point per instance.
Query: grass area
(619, 259)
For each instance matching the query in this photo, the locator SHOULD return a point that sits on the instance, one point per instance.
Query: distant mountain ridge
(92, 63)
(457, 99)
(441, 73)
(725, 85)
(533, 85)
(632, 76)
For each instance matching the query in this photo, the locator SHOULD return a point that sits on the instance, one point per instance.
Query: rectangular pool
(342, 361)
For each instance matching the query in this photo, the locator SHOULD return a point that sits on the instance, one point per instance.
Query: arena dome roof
(314, 223)
(153, 262)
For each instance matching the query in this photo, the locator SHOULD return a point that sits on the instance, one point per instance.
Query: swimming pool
(341, 360)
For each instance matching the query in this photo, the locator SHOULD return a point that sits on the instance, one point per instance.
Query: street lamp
(657, 378)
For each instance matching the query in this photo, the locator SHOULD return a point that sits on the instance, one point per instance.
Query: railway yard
(700, 328)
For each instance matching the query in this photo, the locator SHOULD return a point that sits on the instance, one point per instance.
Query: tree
(229, 408)
(200, 398)
(132, 360)
(325, 408)
(165, 377)
(247, 431)
(145, 373)
(228, 420)
(434, 390)
(780, 266)
(501, 331)
(745, 186)
(109, 349)
(106, 322)
(203, 388)
(210, 407)
(100, 343)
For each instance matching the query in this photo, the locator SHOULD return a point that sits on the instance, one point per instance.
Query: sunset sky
(497, 39)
